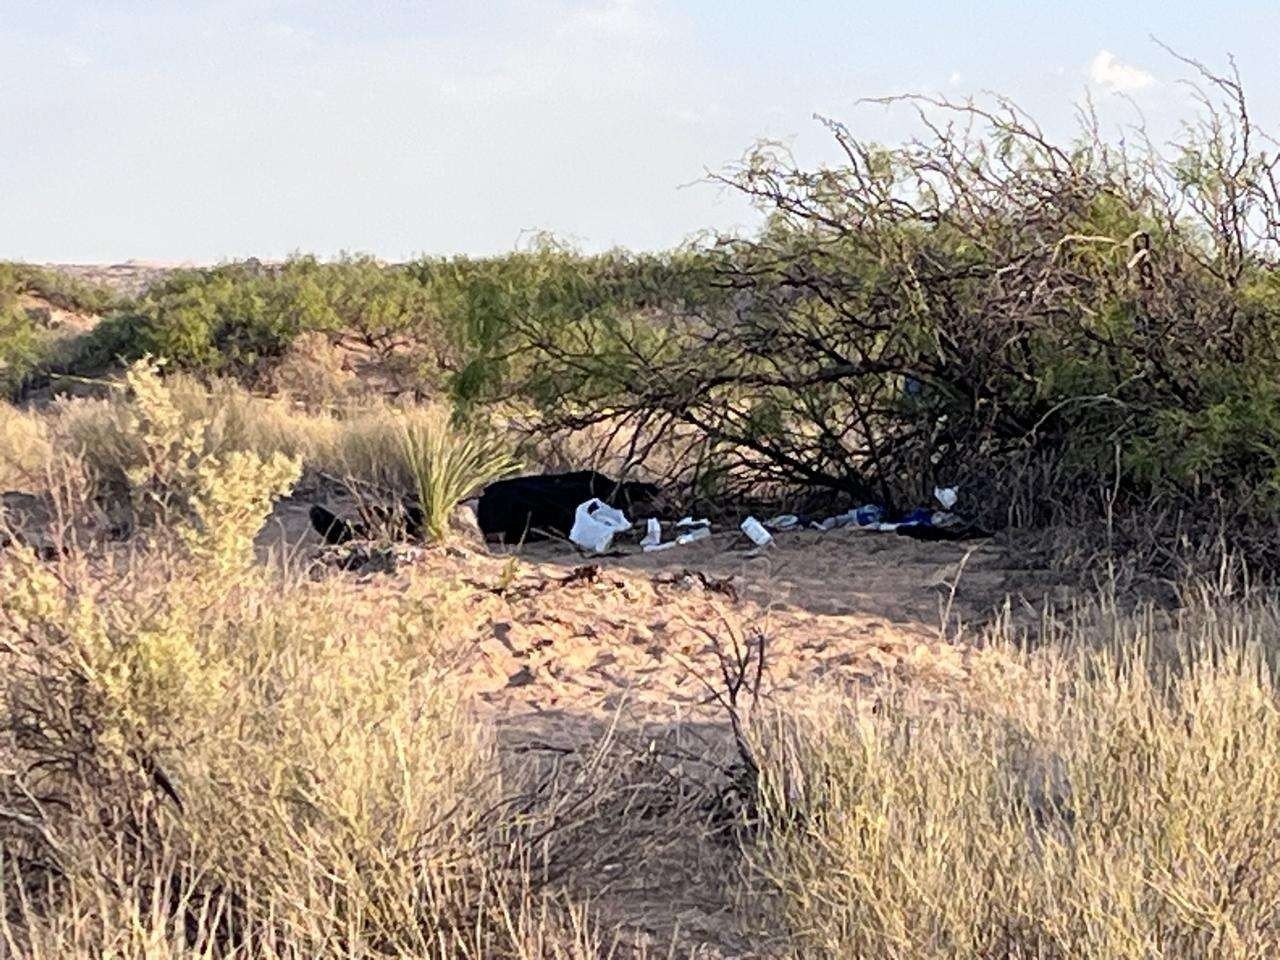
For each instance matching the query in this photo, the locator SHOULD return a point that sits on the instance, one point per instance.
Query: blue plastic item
(867, 515)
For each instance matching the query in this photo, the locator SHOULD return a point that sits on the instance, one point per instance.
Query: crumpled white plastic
(653, 533)
(596, 523)
(946, 496)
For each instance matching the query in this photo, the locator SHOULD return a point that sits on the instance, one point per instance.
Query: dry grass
(224, 772)
(26, 450)
(1114, 796)
(372, 444)
(364, 440)
(201, 757)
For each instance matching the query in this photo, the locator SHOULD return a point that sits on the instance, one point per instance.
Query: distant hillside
(130, 278)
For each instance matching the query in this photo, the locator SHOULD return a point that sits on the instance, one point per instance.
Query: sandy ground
(557, 630)
(560, 648)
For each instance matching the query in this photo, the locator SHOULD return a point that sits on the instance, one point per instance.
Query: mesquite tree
(977, 304)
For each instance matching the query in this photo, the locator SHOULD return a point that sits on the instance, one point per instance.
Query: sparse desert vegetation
(223, 738)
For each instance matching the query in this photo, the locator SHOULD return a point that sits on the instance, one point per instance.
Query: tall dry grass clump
(1113, 800)
(25, 448)
(399, 450)
(202, 757)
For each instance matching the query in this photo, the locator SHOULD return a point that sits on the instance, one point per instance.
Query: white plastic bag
(595, 525)
(653, 533)
(946, 496)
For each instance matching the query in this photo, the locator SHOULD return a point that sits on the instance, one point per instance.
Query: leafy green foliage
(20, 347)
(459, 326)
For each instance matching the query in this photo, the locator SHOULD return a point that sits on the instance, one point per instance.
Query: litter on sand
(544, 506)
(754, 529)
(922, 523)
(868, 516)
(653, 533)
(694, 535)
(595, 525)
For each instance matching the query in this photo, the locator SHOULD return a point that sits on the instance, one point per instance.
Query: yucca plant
(446, 464)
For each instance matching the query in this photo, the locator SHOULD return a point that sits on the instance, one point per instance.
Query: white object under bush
(596, 524)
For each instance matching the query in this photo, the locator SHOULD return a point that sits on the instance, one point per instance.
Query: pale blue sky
(210, 129)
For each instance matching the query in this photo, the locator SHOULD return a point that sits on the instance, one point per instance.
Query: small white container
(756, 531)
(653, 533)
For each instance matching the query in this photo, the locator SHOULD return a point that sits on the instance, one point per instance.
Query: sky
(204, 130)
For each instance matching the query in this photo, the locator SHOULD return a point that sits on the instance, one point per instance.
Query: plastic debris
(868, 516)
(694, 535)
(946, 496)
(756, 531)
(690, 522)
(596, 523)
(653, 534)
(656, 547)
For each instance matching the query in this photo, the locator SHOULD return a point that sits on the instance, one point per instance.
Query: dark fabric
(335, 530)
(928, 533)
(516, 511)
(542, 507)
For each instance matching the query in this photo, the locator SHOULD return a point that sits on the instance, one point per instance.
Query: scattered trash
(694, 530)
(791, 521)
(525, 509)
(756, 531)
(653, 536)
(595, 525)
(868, 516)
(369, 558)
(694, 535)
(922, 523)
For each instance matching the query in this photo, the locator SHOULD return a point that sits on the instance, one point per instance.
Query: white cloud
(955, 78)
(1105, 70)
(611, 19)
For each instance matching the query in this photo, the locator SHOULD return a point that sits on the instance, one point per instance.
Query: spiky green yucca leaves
(445, 465)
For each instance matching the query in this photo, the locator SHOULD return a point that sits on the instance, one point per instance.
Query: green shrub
(1039, 323)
